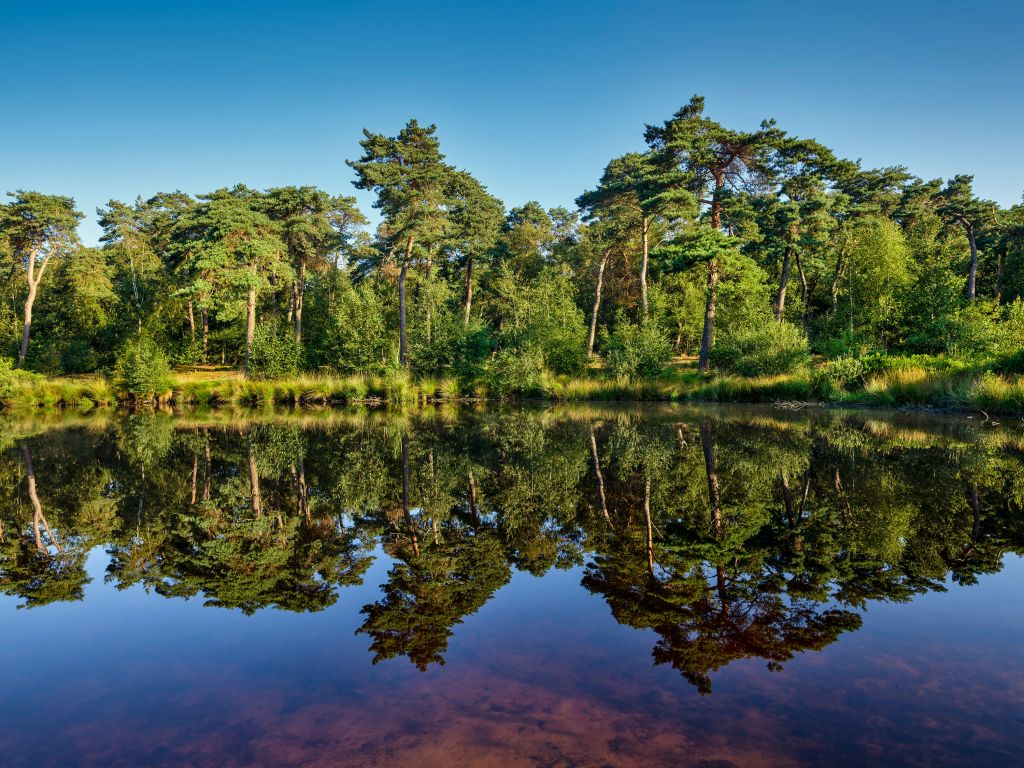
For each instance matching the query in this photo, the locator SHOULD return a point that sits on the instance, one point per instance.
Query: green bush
(142, 369)
(274, 353)
(636, 350)
(842, 373)
(767, 350)
(516, 371)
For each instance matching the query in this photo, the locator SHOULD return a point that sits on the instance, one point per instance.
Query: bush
(767, 350)
(842, 373)
(636, 350)
(517, 371)
(142, 369)
(274, 353)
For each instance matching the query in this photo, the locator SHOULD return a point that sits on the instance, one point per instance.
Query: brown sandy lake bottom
(512, 587)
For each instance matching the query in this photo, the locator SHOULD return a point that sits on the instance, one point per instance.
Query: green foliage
(357, 339)
(768, 350)
(516, 371)
(142, 370)
(274, 354)
(636, 350)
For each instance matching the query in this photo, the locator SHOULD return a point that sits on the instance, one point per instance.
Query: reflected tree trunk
(254, 478)
(600, 478)
(711, 470)
(410, 523)
(650, 525)
(38, 518)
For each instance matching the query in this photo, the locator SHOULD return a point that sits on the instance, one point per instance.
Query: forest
(717, 255)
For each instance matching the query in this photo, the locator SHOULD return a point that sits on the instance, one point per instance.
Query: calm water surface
(524, 587)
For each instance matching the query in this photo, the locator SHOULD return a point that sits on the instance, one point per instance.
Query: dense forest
(750, 250)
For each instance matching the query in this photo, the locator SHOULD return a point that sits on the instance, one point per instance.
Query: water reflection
(731, 535)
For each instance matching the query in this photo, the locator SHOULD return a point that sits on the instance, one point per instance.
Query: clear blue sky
(111, 100)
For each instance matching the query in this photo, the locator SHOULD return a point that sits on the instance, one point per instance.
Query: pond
(584, 586)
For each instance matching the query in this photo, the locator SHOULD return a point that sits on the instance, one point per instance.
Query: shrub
(637, 350)
(767, 350)
(516, 371)
(142, 370)
(274, 353)
(842, 373)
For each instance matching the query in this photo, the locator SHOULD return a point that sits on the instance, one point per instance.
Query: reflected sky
(514, 617)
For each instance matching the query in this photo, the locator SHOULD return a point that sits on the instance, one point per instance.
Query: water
(521, 587)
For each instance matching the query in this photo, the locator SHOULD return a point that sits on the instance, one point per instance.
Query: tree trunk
(780, 296)
(405, 496)
(205, 315)
(600, 478)
(254, 479)
(250, 327)
(972, 277)
(37, 508)
(300, 293)
(469, 290)
(645, 229)
(598, 285)
(707, 337)
(403, 344)
(191, 320)
(27, 327)
(650, 525)
(711, 470)
(1000, 276)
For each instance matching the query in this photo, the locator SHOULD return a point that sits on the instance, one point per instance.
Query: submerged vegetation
(716, 264)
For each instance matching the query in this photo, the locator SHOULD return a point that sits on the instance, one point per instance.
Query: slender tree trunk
(208, 468)
(650, 525)
(191, 320)
(1000, 276)
(403, 344)
(972, 277)
(250, 327)
(205, 315)
(468, 307)
(645, 229)
(254, 479)
(300, 294)
(26, 329)
(780, 295)
(405, 496)
(38, 518)
(707, 337)
(598, 286)
(711, 470)
(600, 478)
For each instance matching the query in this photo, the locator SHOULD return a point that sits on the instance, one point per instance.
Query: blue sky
(111, 100)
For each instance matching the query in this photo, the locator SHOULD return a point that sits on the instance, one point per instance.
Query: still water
(587, 586)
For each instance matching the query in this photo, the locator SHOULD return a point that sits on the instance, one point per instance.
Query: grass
(906, 383)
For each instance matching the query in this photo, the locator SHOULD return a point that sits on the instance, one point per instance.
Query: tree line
(746, 248)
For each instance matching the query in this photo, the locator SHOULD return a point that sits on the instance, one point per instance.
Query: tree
(714, 160)
(634, 189)
(408, 174)
(475, 219)
(37, 228)
(959, 206)
(314, 227)
(230, 240)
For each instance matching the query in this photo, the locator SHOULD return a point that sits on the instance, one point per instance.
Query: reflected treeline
(732, 534)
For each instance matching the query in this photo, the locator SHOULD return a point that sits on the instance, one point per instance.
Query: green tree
(37, 229)
(408, 174)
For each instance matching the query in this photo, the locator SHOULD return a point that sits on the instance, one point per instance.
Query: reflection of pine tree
(428, 594)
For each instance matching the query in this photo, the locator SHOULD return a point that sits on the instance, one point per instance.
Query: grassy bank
(914, 386)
